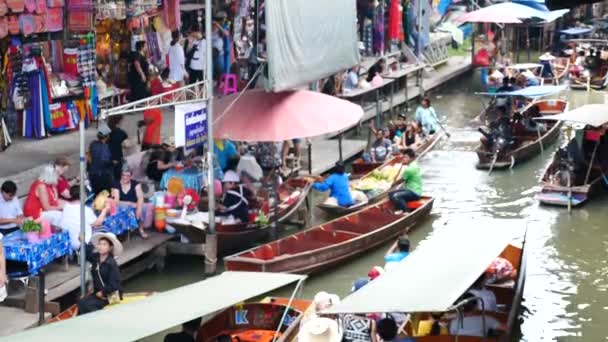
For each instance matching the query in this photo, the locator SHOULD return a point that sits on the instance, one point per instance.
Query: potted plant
(31, 229)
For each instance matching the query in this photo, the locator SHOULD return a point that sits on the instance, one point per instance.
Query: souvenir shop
(119, 25)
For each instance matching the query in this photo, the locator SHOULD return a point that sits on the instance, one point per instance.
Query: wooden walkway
(138, 256)
(325, 154)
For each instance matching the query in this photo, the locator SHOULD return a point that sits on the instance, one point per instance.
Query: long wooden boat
(333, 242)
(72, 311)
(561, 68)
(232, 238)
(421, 148)
(596, 82)
(256, 321)
(508, 297)
(422, 145)
(527, 146)
(556, 194)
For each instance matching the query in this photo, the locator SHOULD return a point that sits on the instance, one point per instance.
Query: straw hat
(546, 57)
(169, 141)
(324, 300)
(231, 177)
(320, 329)
(117, 250)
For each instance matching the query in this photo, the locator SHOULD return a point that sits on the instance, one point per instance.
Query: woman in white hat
(236, 197)
(320, 329)
(105, 274)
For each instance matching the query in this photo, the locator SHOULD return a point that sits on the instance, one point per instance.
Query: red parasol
(261, 116)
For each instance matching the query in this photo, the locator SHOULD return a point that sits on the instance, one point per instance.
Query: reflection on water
(565, 295)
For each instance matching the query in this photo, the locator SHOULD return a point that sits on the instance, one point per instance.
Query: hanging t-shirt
(70, 61)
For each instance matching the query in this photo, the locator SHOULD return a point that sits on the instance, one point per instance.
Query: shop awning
(576, 31)
(437, 273)
(594, 115)
(131, 322)
(531, 92)
(510, 13)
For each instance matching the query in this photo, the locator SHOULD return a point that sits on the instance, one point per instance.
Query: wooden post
(378, 107)
(407, 100)
(210, 253)
(41, 287)
(392, 97)
(310, 158)
(340, 147)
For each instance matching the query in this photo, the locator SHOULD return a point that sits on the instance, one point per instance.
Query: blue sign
(240, 317)
(196, 128)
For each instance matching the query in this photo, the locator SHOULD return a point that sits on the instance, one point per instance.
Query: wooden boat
(333, 242)
(561, 68)
(72, 311)
(256, 321)
(526, 146)
(596, 82)
(421, 148)
(445, 267)
(558, 193)
(236, 237)
(360, 168)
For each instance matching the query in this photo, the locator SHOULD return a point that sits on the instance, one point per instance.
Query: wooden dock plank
(325, 154)
(15, 320)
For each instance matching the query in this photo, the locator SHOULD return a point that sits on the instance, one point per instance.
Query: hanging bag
(3, 8)
(13, 24)
(40, 23)
(27, 24)
(3, 28)
(54, 19)
(16, 6)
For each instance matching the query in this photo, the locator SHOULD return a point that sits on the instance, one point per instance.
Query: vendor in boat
(487, 298)
(546, 61)
(381, 147)
(236, 198)
(412, 183)
(105, 274)
(338, 185)
(532, 125)
(188, 333)
(426, 118)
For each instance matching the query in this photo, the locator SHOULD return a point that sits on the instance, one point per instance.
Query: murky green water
(565, 293)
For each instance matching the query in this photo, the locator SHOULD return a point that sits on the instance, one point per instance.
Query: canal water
(565, 297)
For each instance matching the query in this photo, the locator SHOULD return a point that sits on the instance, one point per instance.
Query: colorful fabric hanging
(60, 119)
(3, 28)
(368, 37)
(171, 14)
(394, 20)
(379, 30)
(54, 3)
(30, 5)
(70, 61)
(80, 20)
(16, 6)
(54, 19)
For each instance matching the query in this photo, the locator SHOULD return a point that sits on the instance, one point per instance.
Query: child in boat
(338, 185)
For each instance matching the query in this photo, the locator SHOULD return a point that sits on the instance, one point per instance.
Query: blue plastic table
(39, 254)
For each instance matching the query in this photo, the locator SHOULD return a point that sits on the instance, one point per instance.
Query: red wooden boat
(361, 169)
(236, 237)
(256, 321)
(72, 311)
(330, 243)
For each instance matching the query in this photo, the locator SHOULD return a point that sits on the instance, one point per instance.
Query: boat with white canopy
(571, 178)
(134, 321)
(443, 268)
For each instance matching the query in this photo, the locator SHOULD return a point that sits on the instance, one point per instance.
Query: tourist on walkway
(130, 194)
(177, 60)
(70, 220)
(338, 186)
(105, 273)
(217, 40)
(11, 215)
(116, 142)
(412, 183)
(62, 165)
(196, 56)
(139, 71)
(426, 118)
(42, 199)
(101, 168)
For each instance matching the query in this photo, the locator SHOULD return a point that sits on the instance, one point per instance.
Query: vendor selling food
(235, 201)
(338, 185)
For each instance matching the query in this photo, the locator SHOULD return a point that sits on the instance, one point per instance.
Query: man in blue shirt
(338, 185)
(224, 150)
(403, 250)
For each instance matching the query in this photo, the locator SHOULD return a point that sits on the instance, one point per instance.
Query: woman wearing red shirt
(43, 200)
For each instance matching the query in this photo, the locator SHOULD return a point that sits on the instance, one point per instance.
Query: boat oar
(441, 126)
(494, 159)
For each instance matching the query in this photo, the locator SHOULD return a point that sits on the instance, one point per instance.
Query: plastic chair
(228, 84)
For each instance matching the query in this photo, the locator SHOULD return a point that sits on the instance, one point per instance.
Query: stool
(413, 205)
(228, 84)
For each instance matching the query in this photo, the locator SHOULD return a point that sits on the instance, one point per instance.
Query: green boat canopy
(160, 311)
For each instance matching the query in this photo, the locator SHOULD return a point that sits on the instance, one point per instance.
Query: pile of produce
(379, 180)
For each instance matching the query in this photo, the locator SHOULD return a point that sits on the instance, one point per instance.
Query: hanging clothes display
(394, 20)
(34, 113)
(368, 39)
(378, 47)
